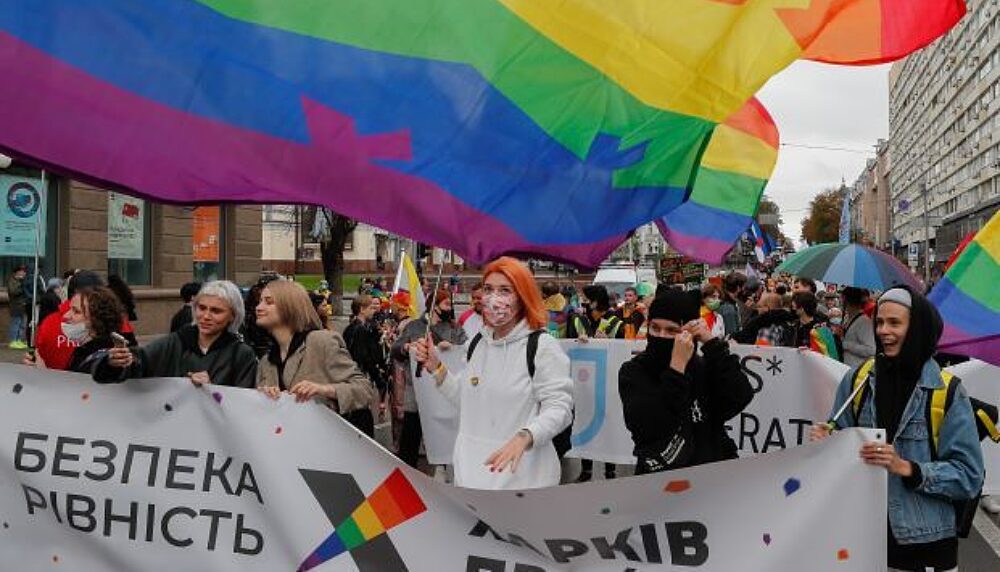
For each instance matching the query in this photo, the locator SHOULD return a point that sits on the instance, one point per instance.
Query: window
(27, 201)
(207, 244)
(129, 232)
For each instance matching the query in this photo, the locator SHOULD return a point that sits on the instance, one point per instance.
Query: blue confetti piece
(792, 485)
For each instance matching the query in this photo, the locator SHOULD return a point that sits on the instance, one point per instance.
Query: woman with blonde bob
(511, 403)
(307, 361)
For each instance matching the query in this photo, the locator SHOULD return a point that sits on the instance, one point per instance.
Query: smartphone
(119, 340)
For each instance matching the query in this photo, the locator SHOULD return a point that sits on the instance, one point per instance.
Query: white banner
(793, 389)
(982, 381)
(160, 475)
(126, 223)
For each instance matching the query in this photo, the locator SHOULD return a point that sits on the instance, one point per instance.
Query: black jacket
(87, 356)
(787, 319)
(228, 362)
(364, 342)
(679, 420)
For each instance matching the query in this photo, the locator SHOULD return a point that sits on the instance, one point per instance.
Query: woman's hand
(424, 352)
(306, 390)
(272, 391)
(29, 360)
(444, 345)
(199, 378)
(510, 453)
(883, 455)
(120, 357)
(819, 432)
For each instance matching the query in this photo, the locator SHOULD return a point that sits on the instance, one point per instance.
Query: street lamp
(5, 161)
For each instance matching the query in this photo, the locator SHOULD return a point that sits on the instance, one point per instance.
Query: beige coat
(323, 358)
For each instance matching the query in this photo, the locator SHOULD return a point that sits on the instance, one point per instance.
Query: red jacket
(52, 346)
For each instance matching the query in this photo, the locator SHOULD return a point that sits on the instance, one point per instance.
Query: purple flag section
(246, 166)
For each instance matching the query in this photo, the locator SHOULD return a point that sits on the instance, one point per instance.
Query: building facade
(870, 199)
(288, 246)
(155, 247)
(944, 130)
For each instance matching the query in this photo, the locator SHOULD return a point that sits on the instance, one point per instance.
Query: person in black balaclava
(676, 403)
(926, 479)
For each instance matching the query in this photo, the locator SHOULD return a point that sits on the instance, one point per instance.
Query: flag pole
(42, 197)
(430, 311)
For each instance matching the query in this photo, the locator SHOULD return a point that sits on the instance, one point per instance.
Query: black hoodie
(228, 362)
(678, 420)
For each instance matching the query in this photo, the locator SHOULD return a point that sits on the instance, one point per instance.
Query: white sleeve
(450, 388)
(553, 389)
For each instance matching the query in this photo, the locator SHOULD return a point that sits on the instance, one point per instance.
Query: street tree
(823, 223)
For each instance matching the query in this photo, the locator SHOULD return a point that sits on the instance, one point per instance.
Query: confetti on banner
(677, 487)
(792, 485)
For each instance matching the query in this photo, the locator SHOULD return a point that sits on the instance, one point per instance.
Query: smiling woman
(208, 351)
(931, 451)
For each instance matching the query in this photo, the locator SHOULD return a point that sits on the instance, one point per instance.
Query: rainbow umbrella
(850, 265)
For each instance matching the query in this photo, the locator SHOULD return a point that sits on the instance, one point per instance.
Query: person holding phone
(208, 351)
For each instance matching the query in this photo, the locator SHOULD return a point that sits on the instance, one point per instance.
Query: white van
(616, 278)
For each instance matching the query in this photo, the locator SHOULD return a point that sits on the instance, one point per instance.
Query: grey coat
(859, 340)
(323, 358)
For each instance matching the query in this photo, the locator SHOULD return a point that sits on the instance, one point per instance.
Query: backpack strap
(533, 350)
(862, 375)
(938, 406)
(472, 346)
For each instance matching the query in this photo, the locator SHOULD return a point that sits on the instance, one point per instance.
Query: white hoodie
(496, 398)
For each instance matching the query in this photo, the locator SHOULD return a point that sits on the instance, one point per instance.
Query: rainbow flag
(969, 300)
(394, 502)
(482, 126)
(823, 340)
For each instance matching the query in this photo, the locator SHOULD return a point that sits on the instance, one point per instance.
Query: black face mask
(446, 315)
(659, 349)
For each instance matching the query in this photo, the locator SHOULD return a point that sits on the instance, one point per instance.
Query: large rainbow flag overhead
(551, 127)
(969, 299)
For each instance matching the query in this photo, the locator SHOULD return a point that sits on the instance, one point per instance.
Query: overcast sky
(823, 105)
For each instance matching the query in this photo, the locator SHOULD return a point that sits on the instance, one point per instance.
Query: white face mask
(76, 333)
(499, 309)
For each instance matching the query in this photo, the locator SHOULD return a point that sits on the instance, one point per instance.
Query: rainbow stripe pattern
(968, 298)
(822, 340)
(394, 502)
(549, 127)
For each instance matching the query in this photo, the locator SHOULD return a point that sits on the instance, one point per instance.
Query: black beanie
(676, 305)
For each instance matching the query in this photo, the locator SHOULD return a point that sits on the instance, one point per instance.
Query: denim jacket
(925, 513)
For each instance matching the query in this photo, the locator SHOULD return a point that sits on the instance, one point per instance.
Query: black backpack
(532, 349)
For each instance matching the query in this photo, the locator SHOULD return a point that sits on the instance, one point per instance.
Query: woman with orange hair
(515, 393)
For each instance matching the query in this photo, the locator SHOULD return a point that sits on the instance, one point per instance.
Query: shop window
(207, 243)
(129, 237)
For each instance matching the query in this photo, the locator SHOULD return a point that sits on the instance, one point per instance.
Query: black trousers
(409, 439)
(362, 420)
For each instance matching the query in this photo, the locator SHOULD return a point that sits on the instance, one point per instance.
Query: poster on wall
(205, 235)
(23, 205)
(126, 222)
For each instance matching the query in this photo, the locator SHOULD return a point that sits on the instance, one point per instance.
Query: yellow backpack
(937, 407)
